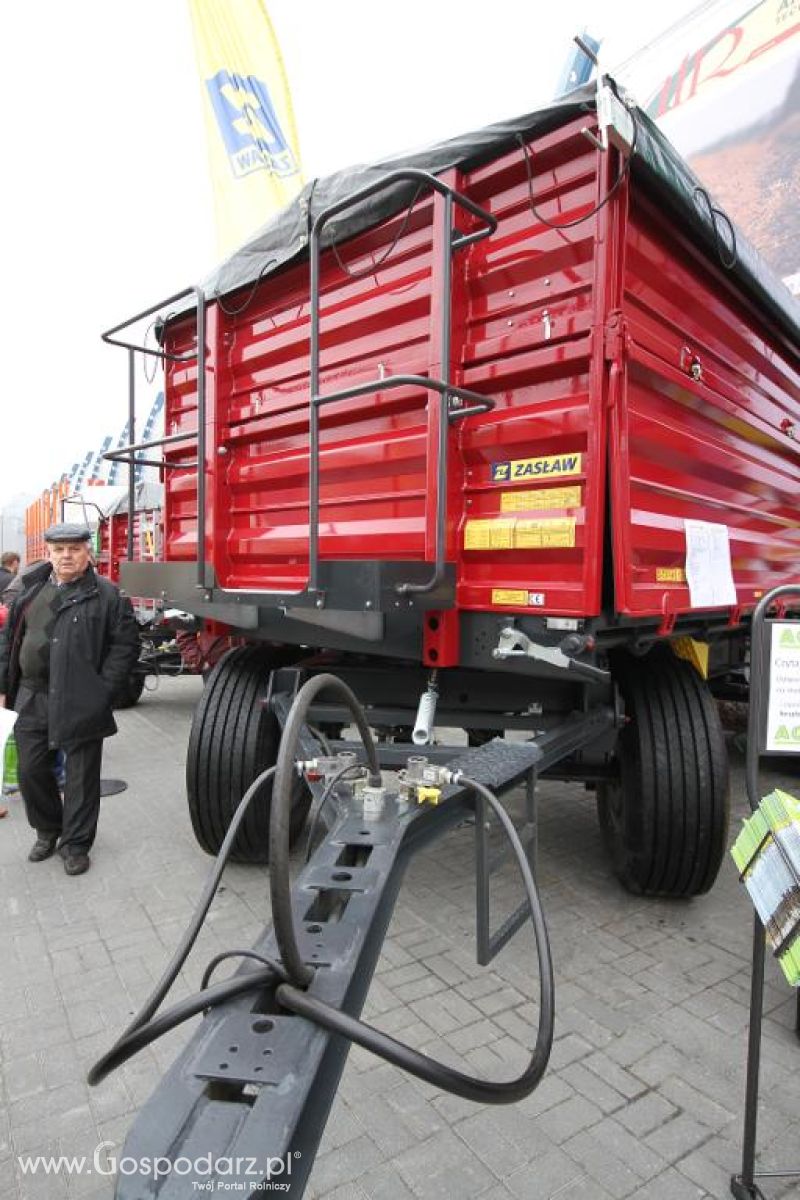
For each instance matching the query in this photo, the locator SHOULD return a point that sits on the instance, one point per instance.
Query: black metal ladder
(475, 403)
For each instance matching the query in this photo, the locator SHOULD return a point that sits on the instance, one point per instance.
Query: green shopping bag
(10, 774)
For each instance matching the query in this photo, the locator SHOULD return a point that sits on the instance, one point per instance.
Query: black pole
(746, 1181)
(201, 438)
(132, 435)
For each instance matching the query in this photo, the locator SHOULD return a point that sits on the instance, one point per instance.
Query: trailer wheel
(665, 818)
(233, 738)
(131, 691)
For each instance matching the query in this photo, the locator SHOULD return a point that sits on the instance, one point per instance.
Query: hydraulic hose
(428, 1069)
(218, 959)
(280, 816)
(136, 1038)
(146, 1027)
(112, 1058)
(315, 814)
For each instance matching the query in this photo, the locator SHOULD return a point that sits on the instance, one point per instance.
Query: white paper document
(7, 719)
(708, 565)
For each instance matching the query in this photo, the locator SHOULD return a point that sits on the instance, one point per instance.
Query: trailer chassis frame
(256, 1083)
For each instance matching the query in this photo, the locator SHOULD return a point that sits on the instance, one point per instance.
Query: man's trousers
(74, 822)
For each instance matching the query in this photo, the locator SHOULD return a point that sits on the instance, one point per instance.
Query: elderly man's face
(69, 559)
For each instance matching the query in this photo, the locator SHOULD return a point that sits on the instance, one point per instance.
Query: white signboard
(783, 714)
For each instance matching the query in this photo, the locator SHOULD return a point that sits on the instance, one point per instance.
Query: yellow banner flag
(252, 140)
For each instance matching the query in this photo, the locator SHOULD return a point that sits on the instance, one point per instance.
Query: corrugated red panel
(535, 467)
(713, 448)
(180, 491)
(627, 375)
(112, 546)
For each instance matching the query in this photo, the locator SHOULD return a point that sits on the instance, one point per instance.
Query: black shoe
(42, 848)
(76, 862)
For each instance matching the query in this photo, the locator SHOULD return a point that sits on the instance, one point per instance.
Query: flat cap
(67, 532)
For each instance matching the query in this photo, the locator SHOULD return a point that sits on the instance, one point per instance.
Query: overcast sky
(106, 200)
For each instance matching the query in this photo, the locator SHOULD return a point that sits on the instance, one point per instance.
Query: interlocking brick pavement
(643, 1097)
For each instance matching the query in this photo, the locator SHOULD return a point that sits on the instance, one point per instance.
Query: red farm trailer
(518, 410)
(500, 437)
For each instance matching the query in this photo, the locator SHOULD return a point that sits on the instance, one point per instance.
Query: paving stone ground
(643, 1098)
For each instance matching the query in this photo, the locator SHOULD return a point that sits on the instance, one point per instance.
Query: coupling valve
(327, 766)
(317, 769)
(422, 781)
(372, 800)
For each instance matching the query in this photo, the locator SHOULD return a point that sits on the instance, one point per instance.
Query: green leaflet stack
(767, 853)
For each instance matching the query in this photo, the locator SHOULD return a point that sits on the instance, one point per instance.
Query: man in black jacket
(68, 645)
(9, 566)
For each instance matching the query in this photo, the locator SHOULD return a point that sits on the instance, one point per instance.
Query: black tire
(665, 818)
(233, 738)
(131, 692)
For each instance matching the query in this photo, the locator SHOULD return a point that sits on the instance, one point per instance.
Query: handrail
(128, 453)
(112, 341)
(446, 417)
(444, 387)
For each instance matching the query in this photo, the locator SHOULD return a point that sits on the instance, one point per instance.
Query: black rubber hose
(280, 815)
(316, 810)
(218, 959)
(428, 1069)
(134, 1040)
(156, 997)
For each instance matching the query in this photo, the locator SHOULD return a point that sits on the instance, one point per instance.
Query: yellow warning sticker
(509, 596)
(544, 533)
(564, 497)
(670, 575)
(495, 534)
(519, 533)
(537, 468)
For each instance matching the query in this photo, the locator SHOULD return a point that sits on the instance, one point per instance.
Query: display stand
(743, 1186)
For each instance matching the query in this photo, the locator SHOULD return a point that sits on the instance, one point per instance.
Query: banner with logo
(98, 467)
(253, 149)
(116, 466)
(724, 85)
(148, 433)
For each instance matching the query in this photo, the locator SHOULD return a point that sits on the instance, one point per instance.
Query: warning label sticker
(489, 535)
(544, 533)
(518, 598)
(519, 501)
(537, 468)
(670, 575)
(519, 533)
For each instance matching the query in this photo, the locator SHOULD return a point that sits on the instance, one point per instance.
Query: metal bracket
(513, 643)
